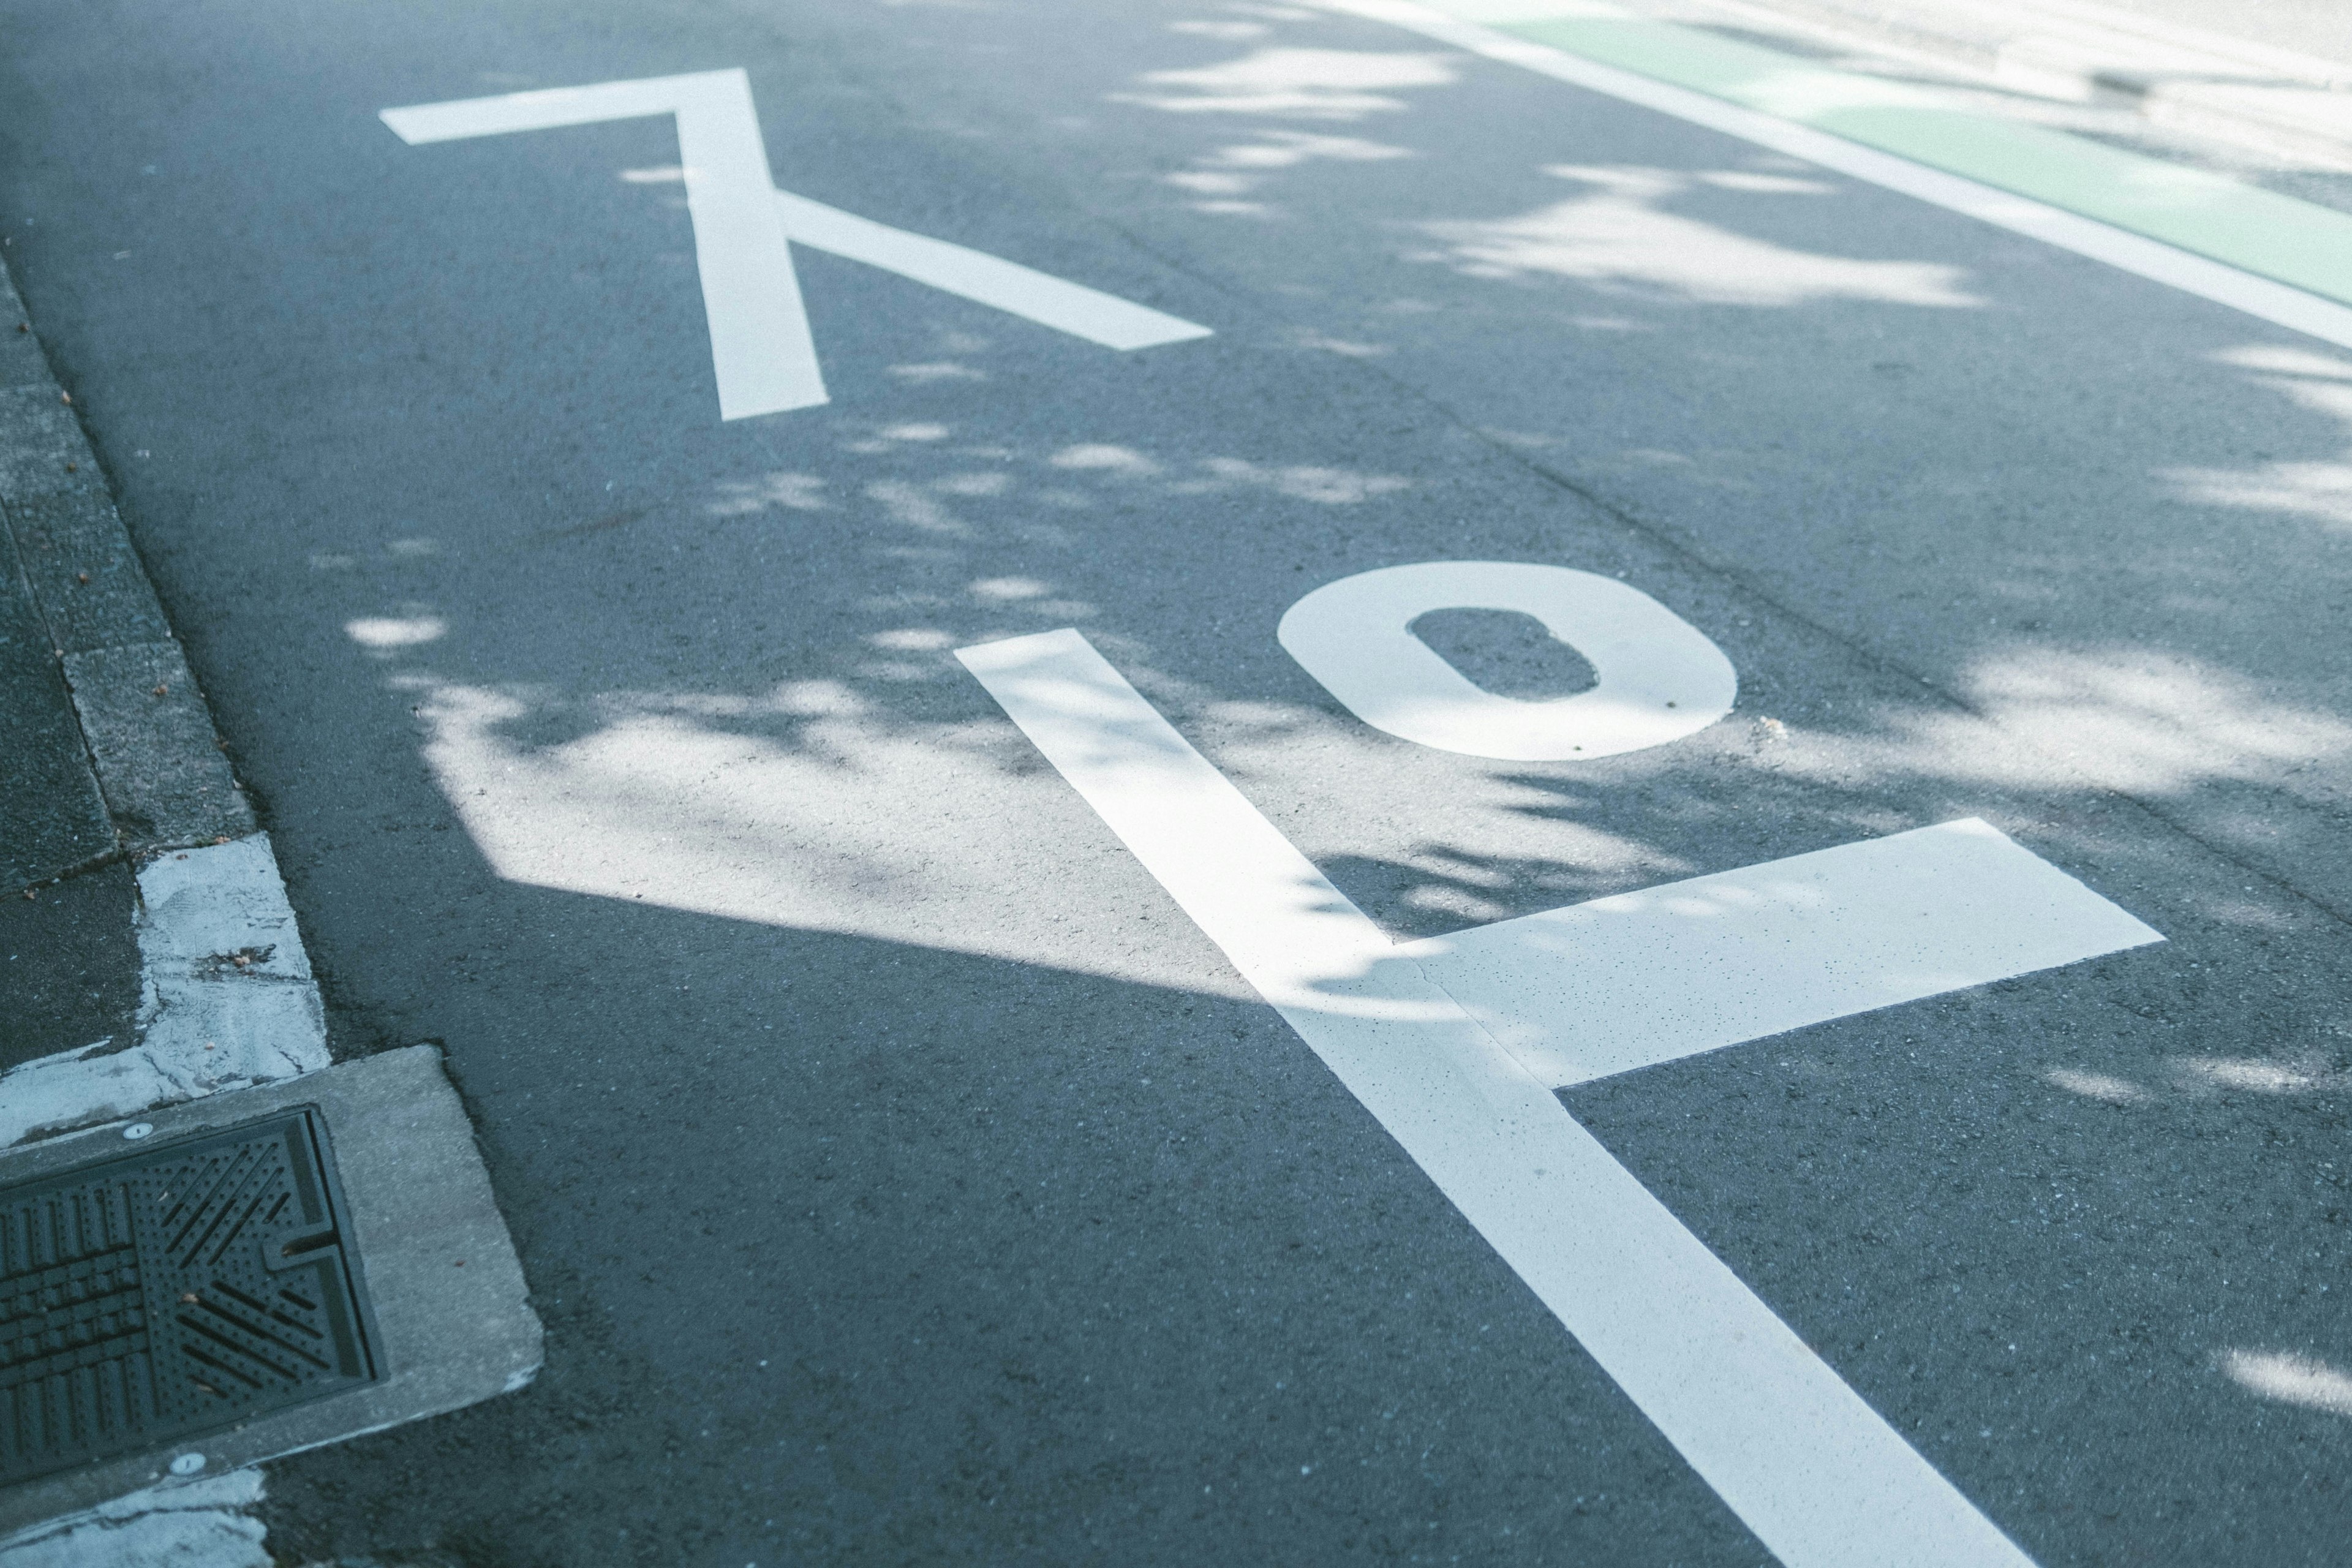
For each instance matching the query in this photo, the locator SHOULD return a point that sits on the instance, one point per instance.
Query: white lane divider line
(991, 281)
(2191, 274)
(1637, 979)
(761, 349)
(1820, 1476)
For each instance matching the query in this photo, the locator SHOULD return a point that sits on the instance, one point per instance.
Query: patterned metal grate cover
(171, 1292)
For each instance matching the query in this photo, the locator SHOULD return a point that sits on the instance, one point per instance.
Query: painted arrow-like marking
(761, 349)
(1455, 1046)
(990, 280)
(1641, 978)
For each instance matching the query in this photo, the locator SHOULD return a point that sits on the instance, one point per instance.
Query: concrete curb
(157, 762)
(227, 1000)
(228, 1003)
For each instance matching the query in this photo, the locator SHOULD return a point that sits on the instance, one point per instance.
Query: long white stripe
(1796, 1454)
(762, 352)
(2192, 274)
(991, 281)
(1642, 978)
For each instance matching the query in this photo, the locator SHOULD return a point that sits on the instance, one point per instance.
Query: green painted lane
(2276, 237)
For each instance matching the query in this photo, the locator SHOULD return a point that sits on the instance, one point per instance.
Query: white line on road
(1821, 1478)
(760, 350)
(1050, 301)
(2224, 285)
(1642, 978)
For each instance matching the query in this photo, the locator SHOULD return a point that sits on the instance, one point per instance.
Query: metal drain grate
(174, 1292)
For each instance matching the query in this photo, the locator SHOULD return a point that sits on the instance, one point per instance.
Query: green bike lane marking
(2277, 236)
(1799, 105)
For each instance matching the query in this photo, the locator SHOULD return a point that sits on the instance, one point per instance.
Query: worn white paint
(207, 1022)
(201, 912)
(205, 1523)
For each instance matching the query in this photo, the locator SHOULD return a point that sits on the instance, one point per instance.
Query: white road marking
(1658, 677)
(2192, 274)
(1641, 978)
(1049, 301)
(760, 350)
(1821, 1478)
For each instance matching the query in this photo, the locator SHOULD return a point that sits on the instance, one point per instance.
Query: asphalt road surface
(885, 1097)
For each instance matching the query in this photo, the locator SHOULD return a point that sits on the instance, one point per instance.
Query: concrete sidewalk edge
(228, 1003)
(146, 733)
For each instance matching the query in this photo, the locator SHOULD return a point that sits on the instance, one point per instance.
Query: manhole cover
(171, 1292)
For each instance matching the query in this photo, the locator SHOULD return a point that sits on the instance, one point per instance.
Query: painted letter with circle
(1659, 679)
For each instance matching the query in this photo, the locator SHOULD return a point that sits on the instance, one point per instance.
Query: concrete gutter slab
(453, 1316)
(149, 730)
